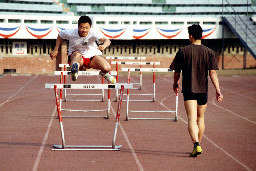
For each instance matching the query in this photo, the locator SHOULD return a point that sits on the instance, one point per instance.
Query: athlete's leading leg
(191, 110)
(100, 63)
(200, 120)
(76, 62)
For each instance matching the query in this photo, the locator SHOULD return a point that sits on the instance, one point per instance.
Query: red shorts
(86, 62)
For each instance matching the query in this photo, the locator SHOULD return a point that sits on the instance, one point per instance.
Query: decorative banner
(208, 32)
(140, 33)
(60, 28)
(169, 33)
(39, 32)
(19, 48)
(8, 32)
(112, 33)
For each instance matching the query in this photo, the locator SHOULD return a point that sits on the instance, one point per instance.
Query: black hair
(196, 31)
(85, 19)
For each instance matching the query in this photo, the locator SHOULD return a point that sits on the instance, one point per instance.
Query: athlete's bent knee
(106, 68)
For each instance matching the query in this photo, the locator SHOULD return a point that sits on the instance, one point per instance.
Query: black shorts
(201, 98)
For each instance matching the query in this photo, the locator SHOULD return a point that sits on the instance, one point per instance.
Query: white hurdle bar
(87, 86)
(63, 146)
(153, 94)
(154, 79)
(85, 73)
(175, 112)
(126, 57)
(90, 86)
(133, 63)
(81, 73)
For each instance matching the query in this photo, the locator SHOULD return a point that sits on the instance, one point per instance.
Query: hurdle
(63, 146)
(175, 112)
(81, 73)
(132, 63)
(76, 110)
(126, 58)
(139, 94)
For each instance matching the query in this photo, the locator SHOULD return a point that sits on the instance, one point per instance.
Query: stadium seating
(126, 7)
(82, 2)
(159, 7)
(31, 7)
(32, 1)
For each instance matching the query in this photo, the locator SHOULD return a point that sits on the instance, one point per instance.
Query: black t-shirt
(195, 61)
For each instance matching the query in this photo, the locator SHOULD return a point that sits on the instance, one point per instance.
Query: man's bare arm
(215, 81)
(106, 43)
(54, 53)
(176, 78)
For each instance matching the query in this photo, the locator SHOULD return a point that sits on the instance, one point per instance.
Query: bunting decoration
(8, 32)
(140, 33)
(39, 33)
(208, 32)
(112, 33)
(60, 28)
(169, 33)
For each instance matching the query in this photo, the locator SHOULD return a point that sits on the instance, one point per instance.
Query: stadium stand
(30, 7)
(159, 7)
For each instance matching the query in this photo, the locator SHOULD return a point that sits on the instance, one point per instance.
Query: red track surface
(29, 127)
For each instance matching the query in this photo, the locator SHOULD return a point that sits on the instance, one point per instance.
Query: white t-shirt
(85, 45)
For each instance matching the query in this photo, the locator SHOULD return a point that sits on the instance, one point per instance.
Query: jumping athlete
(196, 61)
(83, 50)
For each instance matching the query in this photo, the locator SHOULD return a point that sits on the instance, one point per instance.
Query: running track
(29, 128)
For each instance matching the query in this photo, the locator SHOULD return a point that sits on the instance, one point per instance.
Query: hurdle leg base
(85, 148)
(152, 119)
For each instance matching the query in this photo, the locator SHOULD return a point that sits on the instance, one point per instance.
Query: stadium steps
(245, 30)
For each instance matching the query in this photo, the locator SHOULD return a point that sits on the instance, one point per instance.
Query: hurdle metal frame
(75, 110)
(133, 63)
(81, 73)
(158, 111)
(63, 146)
(126, 58)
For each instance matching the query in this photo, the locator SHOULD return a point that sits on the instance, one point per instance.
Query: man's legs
(195, 125)
(200, 121)
(191, 110)
(76, 62)
(76, 57)
(100, 63)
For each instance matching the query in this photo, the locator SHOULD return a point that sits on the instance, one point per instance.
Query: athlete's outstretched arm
(106, 43)
(54, 53)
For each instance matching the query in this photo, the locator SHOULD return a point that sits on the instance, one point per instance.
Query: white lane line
(2, 76)
(217, 146)
(213, 102)
(229, 155)
(129, 144)
(37, 161)
(239, 93)
(18, 91)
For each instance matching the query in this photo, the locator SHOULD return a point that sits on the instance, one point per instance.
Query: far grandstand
(155, 29)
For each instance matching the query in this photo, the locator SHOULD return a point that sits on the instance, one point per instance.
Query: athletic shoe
(108, 77)
(74, 71)
(196, 151)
